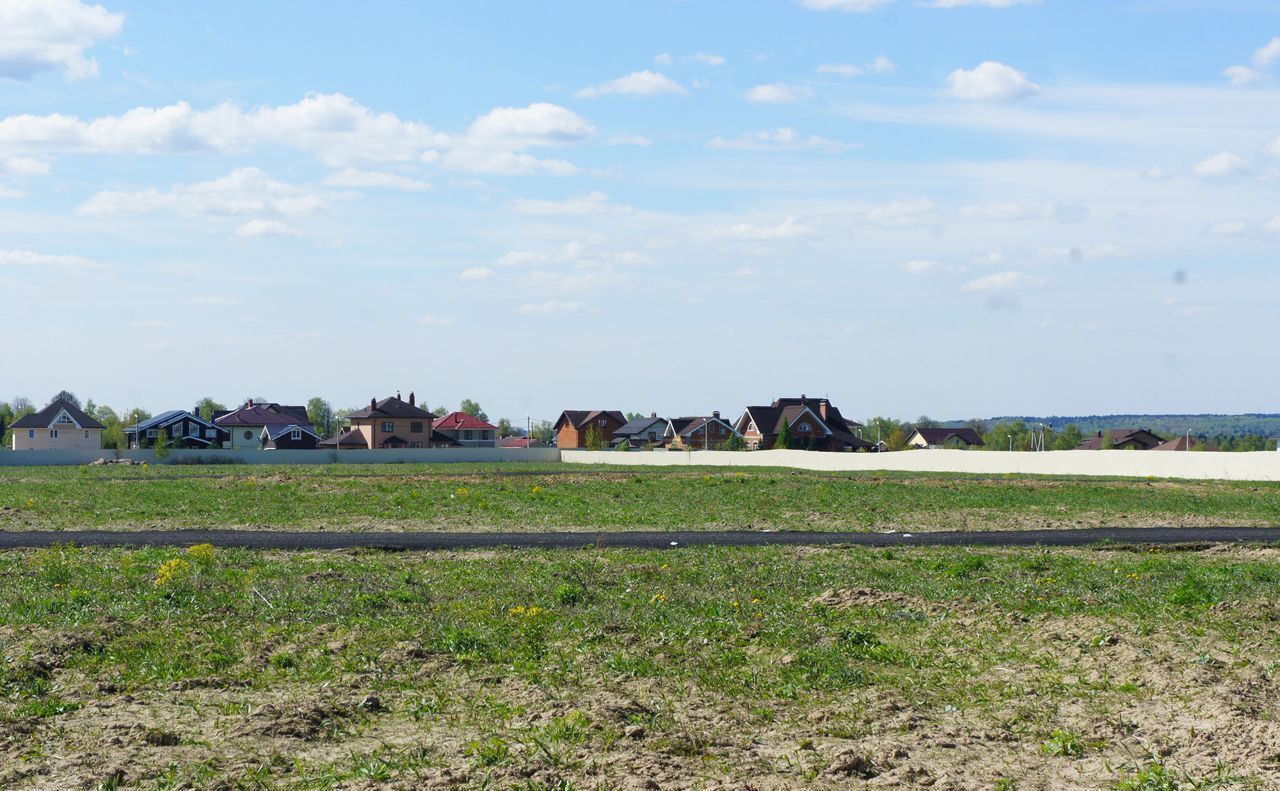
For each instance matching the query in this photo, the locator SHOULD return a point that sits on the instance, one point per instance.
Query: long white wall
(1193, 465)
(19, 458)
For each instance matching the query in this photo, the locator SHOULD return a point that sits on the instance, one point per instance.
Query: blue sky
(952, 207)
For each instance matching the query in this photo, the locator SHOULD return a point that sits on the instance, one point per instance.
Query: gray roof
(637, 426)
(44, 418)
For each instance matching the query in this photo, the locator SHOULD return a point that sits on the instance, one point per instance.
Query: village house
(1122, 439)
(60, 426)
(389, 423)
(814, 424)
(573, 425)
(290, 436)
(642, 432)
(944, 438)
(180, 428)
(465, 430)
(247, 423)
(698, 433)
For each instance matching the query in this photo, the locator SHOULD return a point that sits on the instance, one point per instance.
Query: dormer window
(805, 427)
(63, 419)
(295, 434)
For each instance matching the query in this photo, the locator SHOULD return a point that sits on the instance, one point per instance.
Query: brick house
(466, 430)
(389, 423)
(815, 423)
(572, 425)
(698, 433)
(1123, 439)
(60, 426)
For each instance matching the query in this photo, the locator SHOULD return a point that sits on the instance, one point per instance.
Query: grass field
(555, 496)
(710, 668)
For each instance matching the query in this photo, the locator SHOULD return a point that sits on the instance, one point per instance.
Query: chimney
(373, 403)
(397, 395)
(716, 414)
(653, 414)
(251, 403)
(802, 398)
(412, 400)
(822, 409)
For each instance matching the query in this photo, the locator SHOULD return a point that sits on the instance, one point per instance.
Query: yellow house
(60, 426)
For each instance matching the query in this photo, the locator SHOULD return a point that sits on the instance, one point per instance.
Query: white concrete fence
(1193, 465)
(1190, 465)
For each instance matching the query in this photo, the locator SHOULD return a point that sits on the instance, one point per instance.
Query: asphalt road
(647, 539)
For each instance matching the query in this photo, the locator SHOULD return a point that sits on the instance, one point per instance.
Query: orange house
(572, 426)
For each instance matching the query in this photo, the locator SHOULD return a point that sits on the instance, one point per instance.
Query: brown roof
(769, 419)
(44, 418)
(269, 414)
(581, 417)
(347, 439)
(1123, 436)
(1181, 444)
(393, 407)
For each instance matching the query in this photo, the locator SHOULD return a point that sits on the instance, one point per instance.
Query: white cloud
(550, 307)
(920, 267)
(664, 59)
(778, 93)
(637, 83)
(1220, 165)
(476, 273)
(1014, 211)
(990, 81)
(522, 258)
(783, 139)
(437, 321)
(1156, 173)
(1263, 59)
(790, 228)
(49, 35)
(29, 258)
(629, 140)
(10, 192)
(257, 228)
(332, 127)
(999, 282)
(243, 191)
(1273, 225)
(851, 6)
(905, 213)
(879, 65)
(1273, 148)
(709, 59)
(27, 166)
(369, 179)
(592, 203)
(1227, 228)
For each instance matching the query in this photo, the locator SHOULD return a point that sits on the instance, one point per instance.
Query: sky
(946, 207)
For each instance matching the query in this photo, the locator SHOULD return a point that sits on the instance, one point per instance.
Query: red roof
(456, 421)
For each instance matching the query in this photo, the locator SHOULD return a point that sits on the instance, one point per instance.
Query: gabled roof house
(465, 430)
(702, 433)
(181, 429)
(1123, 439)
(641, 432)
(60, 426)
(573, 424)
(389, 423)
(944, 438)
(246, 423)
(814, 423)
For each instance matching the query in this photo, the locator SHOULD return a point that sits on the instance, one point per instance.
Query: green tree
(473, 409)
(543, 432)
(897, 439)
(206, 406)
(65, 395)
(441, 411)
(784, 436)
(924, 421)
(734, 442)
(623, 445)
(1069, 438)
(1108, 442)
(505, 429)
(630, 416)
(320, 413)
(162, 445)
(112, 430)
(593, 440)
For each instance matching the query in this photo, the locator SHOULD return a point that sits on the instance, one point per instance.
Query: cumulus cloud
(243, 191)
(990, 81)
(332, 127)
(476, 273)
(591, 203)
(1220, 165)
(29, 258)
(550, 307)
(790, 228)
(27, 166)
(850, 6)
(778, 93)
(783, 139)
(999, 282)
(1263, 59)
(637, 83)
(879, 65)
(52, 35)
(369, 179)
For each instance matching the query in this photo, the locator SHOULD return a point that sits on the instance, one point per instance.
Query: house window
(86, 435)
(388, 426)
(804, 427)
(193, 430)
(248, 435)
(295, 434)
(151, 433)
(31, 433)
(64, 420)
(53, 433)
(415, 444)
(415, 427)
(467, 434)
(603, 422)
(210, 433)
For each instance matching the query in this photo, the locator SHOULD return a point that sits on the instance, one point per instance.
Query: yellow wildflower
(536, 490)
(202, 552)
(461, 491)
(658, 598)
(171, 571)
